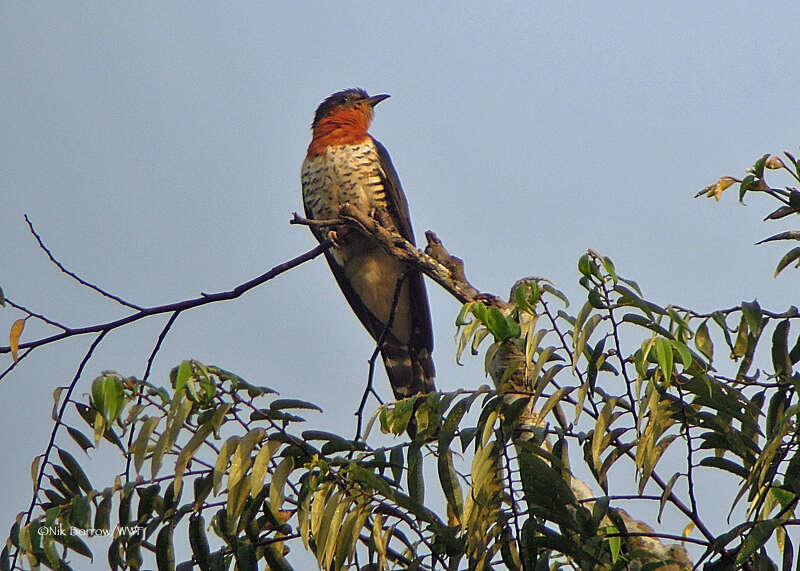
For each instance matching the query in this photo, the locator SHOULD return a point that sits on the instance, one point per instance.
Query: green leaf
(461, 319)
(139, 448)
(199, 542)
(595, 300)
(614, 543)
(274, 559)
(246, 557)
(178, 412)
(80, 512)
(683, 353)
(80, 438)
(415, 480)
(752, 313)
(449, 480)
(599, 510)
(665, 494)
(124, 510)
(501, 327)
(165, 551)
(725, 464)
(664, 357)
(585, 335)
(75, 470)
(585, 265)
(102, 517)
(780, 351)
(758, 166)
(221, 465)
(277, 483)
(776, 410)
(591, 367)
(609, 266)
(260, 466)
(188, 451)
(182, 377)
(702, 340)
(451, 423)
(397, 462)
(242, 459)
(281, 404)
(788, 258)
(759, 535)
(108, 396)
(202, 488)
(147, 500)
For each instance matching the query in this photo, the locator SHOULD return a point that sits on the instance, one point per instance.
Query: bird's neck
(346, 127)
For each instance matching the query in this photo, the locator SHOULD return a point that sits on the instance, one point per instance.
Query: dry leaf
(16, 331)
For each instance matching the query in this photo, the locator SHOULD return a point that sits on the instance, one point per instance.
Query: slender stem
(378, 348)
(689, 456)
(181, 305)
(73, 275)
(622, 364)
(150, 360)
(54, 432)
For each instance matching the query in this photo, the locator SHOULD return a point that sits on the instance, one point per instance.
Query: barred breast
(345, 173)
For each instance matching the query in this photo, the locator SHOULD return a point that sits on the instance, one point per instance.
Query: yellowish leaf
(774, 163)
(13, 338)
(722, 184)
(35, 472)
(688, 529)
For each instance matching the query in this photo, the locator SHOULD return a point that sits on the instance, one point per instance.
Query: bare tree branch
(179, 306)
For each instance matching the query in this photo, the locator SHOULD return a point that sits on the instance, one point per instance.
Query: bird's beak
(375, 99)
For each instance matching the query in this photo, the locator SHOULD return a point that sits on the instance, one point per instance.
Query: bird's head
(347, 106)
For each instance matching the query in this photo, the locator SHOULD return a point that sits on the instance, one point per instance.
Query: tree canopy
(594, 409)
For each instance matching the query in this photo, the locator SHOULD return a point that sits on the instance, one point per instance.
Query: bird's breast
(342, 174)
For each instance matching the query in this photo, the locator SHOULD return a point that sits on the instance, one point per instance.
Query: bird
(345, 165)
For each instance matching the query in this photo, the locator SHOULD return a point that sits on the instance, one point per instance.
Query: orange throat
(342, 127)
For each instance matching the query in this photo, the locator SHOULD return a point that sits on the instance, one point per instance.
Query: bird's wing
(422, 334)
(395, 198)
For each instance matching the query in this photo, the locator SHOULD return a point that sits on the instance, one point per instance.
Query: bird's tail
(410, 369)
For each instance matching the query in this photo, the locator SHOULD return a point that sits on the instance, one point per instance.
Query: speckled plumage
(346, 165)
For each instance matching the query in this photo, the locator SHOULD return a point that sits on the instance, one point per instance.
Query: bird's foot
(333, 236)
(376, 215)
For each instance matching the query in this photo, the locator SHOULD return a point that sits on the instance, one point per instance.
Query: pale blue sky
(157, 149)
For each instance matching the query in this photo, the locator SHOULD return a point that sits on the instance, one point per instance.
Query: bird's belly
(373, 275)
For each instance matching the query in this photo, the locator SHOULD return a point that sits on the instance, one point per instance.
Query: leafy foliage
(225, 466)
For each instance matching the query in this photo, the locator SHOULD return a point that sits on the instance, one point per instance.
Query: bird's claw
(333, 236)
(376, 215)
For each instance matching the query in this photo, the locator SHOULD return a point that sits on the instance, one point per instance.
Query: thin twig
(54, 432)
(514, 511)
(36, 315)
(622, 364)
(150, 360)
(653, 534)
(181, 305)
(673, 499)
(378, 347)
(14, 364)
(689, 455)
(566, 348)
(73, 275)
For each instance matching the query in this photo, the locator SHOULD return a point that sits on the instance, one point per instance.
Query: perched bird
(344, 164)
